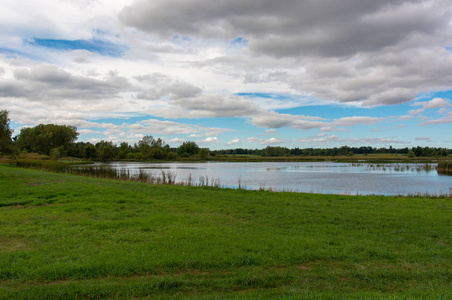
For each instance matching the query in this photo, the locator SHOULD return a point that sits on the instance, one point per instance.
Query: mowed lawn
(73, 237)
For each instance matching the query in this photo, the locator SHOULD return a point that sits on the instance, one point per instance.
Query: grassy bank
(66, 236)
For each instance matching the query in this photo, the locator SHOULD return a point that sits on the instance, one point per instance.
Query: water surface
(316, 177)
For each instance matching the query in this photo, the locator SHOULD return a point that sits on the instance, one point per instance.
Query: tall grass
(102, 171)
(425, 167)
(52, 166)
(444, 167)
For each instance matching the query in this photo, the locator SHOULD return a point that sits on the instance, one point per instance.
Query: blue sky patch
(266, 95)
(240, 41)
(96, 46)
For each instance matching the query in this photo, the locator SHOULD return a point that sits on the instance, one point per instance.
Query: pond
(311, 177)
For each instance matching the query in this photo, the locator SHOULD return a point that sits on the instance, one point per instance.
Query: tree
(203, 153)
(89, 151)
(157, 153)
(55, 153)
(145, 145)
(191, 148)
(43, 138)
(107, 153)
(6, 144)
(275, 151)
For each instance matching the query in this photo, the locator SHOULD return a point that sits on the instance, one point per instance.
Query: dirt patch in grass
(303, 267)
(35, 183)
(441, 243)
(15, 244)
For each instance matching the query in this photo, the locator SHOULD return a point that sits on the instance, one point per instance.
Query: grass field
(73, 237)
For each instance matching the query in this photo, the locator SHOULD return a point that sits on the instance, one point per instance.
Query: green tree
(43, 138)
(89, 151)
(203, 153)
(157, 153)
(6, 144)
(275, 151)
(55, 153)
(411, 154)
(144, 146)
(191, 148)
(107, 153)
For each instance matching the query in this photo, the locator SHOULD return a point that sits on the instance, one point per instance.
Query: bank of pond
(317, 177)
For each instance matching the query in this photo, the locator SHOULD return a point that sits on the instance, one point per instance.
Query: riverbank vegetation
(169, 177)
(445, 167)
(66, 236)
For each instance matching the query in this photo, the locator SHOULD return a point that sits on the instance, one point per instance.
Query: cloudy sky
(233, 73)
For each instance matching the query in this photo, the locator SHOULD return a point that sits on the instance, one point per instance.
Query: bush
(157, 153)
(171, 155)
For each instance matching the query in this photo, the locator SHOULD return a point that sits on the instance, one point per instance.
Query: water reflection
(317, 177)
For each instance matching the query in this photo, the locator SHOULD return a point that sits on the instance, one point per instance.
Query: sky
(234, 73)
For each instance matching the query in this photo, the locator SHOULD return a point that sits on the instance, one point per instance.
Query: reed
(204, 182)
(52, 166)
(444, 167)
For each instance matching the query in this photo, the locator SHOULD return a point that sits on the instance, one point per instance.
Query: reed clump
(444, 167)
(48, 165)
(100, 171)
(107, 172)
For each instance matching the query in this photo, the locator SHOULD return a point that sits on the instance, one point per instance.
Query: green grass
(70, 237)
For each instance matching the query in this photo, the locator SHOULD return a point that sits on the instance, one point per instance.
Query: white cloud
(271, 141)
(209, 140)
(160, 86)
(214, 106)
(234, 141)
(327, 141)
(275, 120)
(436, 103)
(176, 141)
(88, 131)
(406, 118)
(416, 111)
(353, 121)
(445, 120)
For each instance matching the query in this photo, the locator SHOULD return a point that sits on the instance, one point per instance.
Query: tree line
(59, 141)
(270, 151)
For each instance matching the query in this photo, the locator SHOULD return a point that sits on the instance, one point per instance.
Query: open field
(65, 236)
